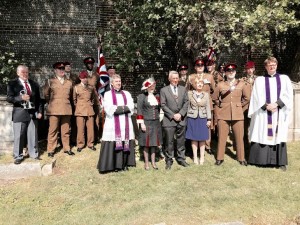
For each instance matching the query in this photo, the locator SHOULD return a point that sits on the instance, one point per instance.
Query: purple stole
(119, 145)
(268, 101)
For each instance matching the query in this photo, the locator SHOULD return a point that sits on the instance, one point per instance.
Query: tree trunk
(295, 72)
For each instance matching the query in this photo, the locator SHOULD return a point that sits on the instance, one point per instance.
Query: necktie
(27, 88)
(175, 92)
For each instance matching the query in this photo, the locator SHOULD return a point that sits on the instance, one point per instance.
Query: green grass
(77, 194)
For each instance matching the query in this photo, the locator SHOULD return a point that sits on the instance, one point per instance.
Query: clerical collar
(272, 74)
(117, 91)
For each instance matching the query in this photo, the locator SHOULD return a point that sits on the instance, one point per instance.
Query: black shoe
(18, 161)
(243, 163)
(219, 162)
(168, 166)
(283, 168)
(69, 152)
(51, 154)
(183, 163)
(209, 151)
(79, 149)
(92, 148)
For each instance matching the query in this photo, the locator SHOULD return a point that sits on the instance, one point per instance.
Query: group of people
(73, 109)
(195, 106)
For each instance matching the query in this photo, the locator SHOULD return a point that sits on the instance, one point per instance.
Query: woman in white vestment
(118, 141)
(270, 105)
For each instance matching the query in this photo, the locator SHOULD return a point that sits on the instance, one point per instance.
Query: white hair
(173, 72)
(21, 67)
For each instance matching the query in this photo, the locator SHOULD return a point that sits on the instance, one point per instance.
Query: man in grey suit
(24, 94)
(174, 103)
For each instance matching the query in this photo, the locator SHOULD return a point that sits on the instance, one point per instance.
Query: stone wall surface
(6, 130)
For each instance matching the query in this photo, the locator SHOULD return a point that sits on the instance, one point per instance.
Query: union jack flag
(211, 55)
(101, 70)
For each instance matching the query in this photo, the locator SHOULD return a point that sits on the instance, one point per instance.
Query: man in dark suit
(24, 94)
(174, 103)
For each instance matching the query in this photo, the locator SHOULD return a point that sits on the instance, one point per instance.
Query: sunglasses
(61, 68)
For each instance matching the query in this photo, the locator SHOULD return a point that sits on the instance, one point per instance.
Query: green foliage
(145, 28)
(8, 63)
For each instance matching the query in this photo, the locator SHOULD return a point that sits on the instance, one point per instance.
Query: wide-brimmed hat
(147, 83)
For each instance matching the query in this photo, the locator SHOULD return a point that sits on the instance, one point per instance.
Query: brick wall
(47, 31)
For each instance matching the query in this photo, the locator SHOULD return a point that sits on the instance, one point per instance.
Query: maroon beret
(249, 64)
(83, 74)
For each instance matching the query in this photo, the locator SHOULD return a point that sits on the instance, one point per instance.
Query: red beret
(89, 60)
(199, 62)
(58, 65)
(83, 74)
(230, 67)
(249, 64)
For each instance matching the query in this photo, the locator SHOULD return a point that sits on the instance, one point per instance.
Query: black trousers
(179, 132)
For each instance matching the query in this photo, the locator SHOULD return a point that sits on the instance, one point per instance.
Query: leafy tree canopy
(144, 28)
(8, 63)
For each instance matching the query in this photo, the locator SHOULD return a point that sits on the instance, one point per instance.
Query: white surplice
(259, 118)
(110, 108)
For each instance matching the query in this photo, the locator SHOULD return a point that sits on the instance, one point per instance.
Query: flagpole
(100, 97)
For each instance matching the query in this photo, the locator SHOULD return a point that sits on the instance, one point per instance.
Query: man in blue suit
(24, 94)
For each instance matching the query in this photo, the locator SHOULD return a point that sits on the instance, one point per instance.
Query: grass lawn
(77, 194)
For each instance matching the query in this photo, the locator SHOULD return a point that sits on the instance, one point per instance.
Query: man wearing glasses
(269, 110)
(58, 94)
